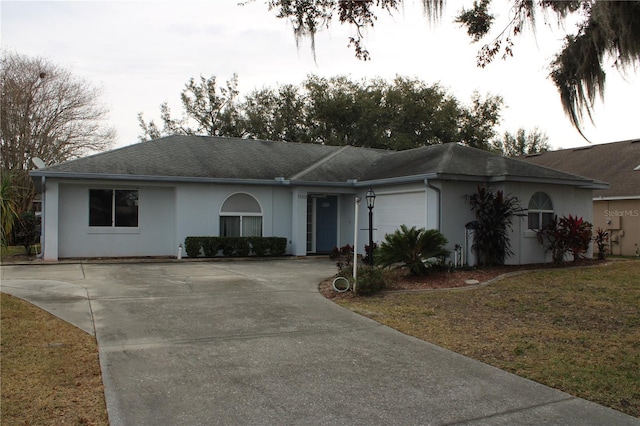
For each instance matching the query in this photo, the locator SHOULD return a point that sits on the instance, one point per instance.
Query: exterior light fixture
(371, 199)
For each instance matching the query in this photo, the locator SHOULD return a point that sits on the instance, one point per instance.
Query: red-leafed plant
(343, 257)
(578, 234)
(566, 235)
(601, 239)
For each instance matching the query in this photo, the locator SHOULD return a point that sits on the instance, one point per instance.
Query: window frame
(118, 219)
(241, 215)
(539, 211)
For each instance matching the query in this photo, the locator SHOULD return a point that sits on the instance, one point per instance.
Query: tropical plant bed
(401, 280)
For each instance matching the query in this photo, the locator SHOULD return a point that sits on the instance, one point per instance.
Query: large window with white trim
(113, 207)
(240, 216)
(540, 212)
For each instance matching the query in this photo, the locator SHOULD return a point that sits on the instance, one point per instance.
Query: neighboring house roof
(203, 158)
(617, 163)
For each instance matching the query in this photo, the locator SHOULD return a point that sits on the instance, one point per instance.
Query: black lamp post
(371, 198)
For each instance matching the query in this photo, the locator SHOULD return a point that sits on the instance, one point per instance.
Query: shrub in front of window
(418, 250)
(241, 247)
(259, 246)
(235, 246)
(227, 246)
(211, 246)
(566, 235)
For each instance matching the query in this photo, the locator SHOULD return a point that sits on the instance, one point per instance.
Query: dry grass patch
(50, 370)
(577, 330)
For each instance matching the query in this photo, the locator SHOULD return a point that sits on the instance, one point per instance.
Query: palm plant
(9, 210)
(412, 248)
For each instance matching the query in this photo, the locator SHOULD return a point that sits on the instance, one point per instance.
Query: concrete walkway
(253, 342)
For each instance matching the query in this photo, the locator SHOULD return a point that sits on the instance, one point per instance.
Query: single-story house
(616, 209)
(145, 199)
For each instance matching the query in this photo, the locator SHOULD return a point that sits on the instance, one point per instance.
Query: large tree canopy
(522, 143)
(401, 114)
(46, 112)
(608, 34)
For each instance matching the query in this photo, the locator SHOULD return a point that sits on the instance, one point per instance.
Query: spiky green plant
(412, 248)
(9, 208)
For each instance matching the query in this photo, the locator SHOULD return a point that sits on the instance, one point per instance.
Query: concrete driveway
(253, 342)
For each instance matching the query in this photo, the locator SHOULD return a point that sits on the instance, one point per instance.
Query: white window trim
(241, 214)
(540, 213)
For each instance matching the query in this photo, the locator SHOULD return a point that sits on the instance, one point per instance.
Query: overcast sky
(141, 53)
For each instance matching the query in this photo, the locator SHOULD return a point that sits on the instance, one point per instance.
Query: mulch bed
(401, 281)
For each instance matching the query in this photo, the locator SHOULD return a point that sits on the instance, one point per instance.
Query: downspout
(439, 192)
(42, 214)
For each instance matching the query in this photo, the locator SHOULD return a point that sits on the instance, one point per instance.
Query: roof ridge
(446, 157)
(319, 163)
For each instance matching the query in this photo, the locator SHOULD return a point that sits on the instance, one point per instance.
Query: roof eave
(616, 198)
(585, 183)
(150, 178)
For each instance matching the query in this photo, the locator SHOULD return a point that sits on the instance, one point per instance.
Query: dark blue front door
(326, 223)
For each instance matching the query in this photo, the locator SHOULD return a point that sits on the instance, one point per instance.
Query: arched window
(540, 211)
(240, 216)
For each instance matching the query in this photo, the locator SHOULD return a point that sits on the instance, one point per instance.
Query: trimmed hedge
(235, 246)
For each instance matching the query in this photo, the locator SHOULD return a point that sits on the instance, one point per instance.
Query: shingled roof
(617, 163)
(212, 158)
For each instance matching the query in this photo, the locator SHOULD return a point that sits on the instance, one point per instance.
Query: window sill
(112, 230)
(530, 233)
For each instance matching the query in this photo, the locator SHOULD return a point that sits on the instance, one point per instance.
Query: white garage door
(393, 210)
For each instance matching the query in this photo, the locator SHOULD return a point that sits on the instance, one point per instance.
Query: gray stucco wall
(167, 215)
(198, 208)
(170, 213)
(524, 244)
(154, 236)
